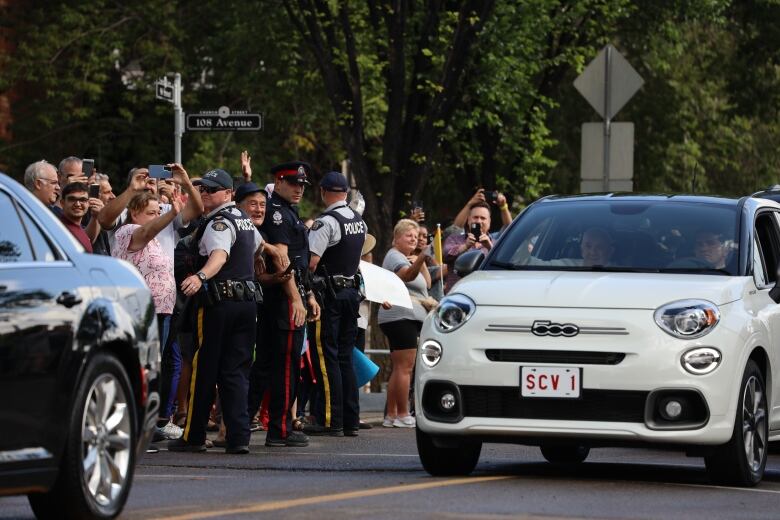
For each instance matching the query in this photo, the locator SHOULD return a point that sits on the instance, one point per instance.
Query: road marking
(191, 477)
(752, 490)
(261, 507)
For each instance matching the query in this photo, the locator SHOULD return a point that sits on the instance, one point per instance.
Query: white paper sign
(384, 286)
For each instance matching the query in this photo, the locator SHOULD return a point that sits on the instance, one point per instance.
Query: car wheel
(96, 469)
(458, 458)
(565, 454)
(742, 460)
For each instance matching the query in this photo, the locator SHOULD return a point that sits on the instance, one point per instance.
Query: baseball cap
(334, 181)
(247, 189)
(297, 170)
(217, 178)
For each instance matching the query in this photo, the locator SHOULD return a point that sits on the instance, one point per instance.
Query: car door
(40, 301)
(766, 259)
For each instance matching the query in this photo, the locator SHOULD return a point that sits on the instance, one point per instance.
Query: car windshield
(624, 236)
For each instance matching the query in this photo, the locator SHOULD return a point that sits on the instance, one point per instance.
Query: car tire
(565, 454)
(101, 438)
(458, 458)
(741, 461)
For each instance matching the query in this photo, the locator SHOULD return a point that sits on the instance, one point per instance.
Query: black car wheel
(458, 458)
(96, 470)
(565, 454)
(742, 460)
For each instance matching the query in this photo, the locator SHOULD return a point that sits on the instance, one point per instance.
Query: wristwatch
(201, 275)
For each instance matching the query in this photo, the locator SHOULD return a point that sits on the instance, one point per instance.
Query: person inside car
(710, 247)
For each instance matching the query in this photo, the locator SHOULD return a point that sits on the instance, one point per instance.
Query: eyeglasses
(50, 181)
(707, 242)
(209, 189)
(76, 200)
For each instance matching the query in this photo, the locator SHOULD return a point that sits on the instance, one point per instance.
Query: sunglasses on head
(209, 189)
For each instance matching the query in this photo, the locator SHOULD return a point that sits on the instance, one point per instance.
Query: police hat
(334, 181)
(217, 178)
(297, 170)
(246, 189)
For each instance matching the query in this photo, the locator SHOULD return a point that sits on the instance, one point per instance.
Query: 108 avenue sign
(224, 120)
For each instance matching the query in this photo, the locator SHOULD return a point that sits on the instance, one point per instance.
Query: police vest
(240, 264)
(344, 257)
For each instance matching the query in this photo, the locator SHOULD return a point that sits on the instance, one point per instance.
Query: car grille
(555, 356)
(594, 405)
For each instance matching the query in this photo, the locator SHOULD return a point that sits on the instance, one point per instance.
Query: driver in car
(710, 248)
(596, 247)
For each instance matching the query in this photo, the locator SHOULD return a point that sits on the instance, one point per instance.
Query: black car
(79, 366)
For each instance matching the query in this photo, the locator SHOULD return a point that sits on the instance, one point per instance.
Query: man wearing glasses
(75, 203)
(226, 310)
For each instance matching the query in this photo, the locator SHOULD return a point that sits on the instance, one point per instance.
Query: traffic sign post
(171, 92)
(607, 83)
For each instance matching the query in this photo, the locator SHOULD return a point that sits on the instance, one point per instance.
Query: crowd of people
(258, 312)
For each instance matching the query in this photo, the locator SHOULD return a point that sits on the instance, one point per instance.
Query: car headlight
(453, 311)
(687, 319)
(430, 353)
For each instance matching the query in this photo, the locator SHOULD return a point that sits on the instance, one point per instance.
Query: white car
(611, 321)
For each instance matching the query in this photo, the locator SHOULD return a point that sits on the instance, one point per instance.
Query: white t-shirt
(418, 289)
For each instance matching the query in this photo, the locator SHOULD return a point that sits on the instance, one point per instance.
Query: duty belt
(234, 291)
(345, 282)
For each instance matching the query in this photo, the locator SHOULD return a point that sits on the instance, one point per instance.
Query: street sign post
(171, 92)
(224, 120)
(607, 83)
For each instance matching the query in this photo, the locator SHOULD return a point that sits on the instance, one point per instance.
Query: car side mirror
(774, 292)
(468, 262)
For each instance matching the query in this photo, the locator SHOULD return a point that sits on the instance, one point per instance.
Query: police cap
(295, 171)
(334, 181)
(217, 178)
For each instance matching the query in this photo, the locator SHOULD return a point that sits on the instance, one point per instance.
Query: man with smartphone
(477, 236)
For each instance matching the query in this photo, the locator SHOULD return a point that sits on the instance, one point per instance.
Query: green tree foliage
(427, 99)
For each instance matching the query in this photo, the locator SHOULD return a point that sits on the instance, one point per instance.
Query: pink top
(154, 265)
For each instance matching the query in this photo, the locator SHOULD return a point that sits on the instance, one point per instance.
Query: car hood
(596, 290)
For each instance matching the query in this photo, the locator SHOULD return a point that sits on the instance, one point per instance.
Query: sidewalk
(372, 407)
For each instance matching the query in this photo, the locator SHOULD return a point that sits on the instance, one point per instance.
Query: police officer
(336, 244)
(225, 314)
(284, 309)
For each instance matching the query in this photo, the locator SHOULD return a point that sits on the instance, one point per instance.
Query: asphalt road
(378, 475)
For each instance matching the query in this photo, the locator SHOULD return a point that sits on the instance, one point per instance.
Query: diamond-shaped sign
(624, 81)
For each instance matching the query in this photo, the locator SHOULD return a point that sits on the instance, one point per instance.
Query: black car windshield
(623, 235)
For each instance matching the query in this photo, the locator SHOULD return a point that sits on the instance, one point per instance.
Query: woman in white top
(401, 325)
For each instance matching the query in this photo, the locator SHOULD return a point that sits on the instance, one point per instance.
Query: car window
(768, 242)
(14, 246)
(623, 235)
(41, 247)
(759, 270)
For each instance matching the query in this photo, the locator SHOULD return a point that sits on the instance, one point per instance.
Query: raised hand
(246, 165)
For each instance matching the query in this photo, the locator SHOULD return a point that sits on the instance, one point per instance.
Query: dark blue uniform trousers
(225, 336)
(277, 364)
(332, 343)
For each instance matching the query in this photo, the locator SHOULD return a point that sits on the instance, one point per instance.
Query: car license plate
(550, 382)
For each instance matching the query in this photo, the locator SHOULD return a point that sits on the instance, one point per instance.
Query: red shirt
(77, 231)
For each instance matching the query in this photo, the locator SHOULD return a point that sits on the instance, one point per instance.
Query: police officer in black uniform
(284, 305)
(336, 243)
(225, 317)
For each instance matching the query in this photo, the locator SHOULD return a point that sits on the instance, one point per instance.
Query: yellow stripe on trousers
(194, 375)
(323, 370)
